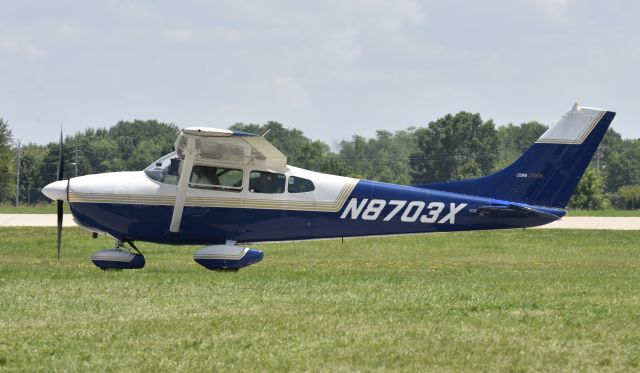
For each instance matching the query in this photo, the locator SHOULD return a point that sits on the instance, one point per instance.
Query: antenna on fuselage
(265, 134)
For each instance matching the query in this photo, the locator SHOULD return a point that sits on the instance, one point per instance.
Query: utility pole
(76, 161)
(18, 176)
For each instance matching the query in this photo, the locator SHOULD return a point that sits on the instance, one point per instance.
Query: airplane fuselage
(132, 206)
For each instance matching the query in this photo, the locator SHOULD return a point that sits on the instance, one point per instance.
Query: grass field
(31, 209)
(519, 300)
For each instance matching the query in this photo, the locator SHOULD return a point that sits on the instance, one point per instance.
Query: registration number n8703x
(408, 211)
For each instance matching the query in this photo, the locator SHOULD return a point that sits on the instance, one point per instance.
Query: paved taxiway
(34, 220)
(572, 222)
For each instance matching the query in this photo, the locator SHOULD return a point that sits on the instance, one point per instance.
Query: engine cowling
(227, 257)
(117, 259)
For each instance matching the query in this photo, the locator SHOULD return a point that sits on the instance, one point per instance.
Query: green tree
(454, 147)
(619, 158)
(627, 197)
(516, 139)
(145, 152)
(141, 142)
(589, 194)
(32, 156)
(335, 165)
(125, 146)
(382, 158)
(105, 155)
(7, 163)
(610, 147)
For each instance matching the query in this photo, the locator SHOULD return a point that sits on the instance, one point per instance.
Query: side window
(266, 182)
(216, 178)
(299, 185)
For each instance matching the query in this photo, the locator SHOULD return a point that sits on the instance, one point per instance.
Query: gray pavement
(615, 223)
(34, 220)
(590, 222)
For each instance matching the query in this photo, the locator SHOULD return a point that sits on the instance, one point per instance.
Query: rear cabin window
(299, 185)
(266, 182)
(216, 178)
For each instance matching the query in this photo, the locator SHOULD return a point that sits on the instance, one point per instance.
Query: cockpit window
(299, 185)
(166, 169)
(266, 182)
(218, 178)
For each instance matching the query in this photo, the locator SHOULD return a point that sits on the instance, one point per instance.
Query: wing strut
(181, 195)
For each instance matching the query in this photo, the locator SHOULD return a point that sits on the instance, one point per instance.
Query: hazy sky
(330, 68)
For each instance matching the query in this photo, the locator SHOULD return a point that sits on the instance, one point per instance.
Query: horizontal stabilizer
(515, 211)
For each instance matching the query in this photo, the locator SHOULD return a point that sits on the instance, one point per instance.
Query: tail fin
(549, 171)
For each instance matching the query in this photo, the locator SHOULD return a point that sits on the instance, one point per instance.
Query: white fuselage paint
(135, 188)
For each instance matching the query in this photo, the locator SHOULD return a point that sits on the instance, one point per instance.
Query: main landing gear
(229, 257)
(119, 258)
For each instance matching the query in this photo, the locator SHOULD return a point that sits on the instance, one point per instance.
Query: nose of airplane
(56, 190)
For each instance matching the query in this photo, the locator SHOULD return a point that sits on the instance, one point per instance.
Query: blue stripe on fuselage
(208, 225)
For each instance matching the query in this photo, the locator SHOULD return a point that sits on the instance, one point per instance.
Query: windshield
(166, 169)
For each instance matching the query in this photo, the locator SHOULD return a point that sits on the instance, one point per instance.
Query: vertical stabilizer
(549, 171)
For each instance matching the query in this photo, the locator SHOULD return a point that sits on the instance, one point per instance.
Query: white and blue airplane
(226, 189)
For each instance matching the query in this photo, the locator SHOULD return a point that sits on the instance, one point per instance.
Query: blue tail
(549, 171)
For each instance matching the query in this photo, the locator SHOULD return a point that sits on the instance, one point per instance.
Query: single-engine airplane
(225, 189)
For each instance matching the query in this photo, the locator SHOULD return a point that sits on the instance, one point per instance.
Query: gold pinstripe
(332, 206)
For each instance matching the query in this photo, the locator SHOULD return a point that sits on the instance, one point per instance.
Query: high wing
(234, 147)
(201, 144)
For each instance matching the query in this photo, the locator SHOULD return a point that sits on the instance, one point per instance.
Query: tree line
(455, 146)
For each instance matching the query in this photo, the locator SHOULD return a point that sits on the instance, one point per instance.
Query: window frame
(303, 178)
(251, 170)
(217, 187)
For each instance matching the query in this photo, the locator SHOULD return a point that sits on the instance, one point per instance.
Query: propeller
(60, 202)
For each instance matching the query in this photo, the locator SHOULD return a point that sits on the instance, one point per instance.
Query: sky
(331, 68)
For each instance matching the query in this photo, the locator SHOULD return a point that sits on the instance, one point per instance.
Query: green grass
(607, 212)
(518, 300)
(31, 209)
